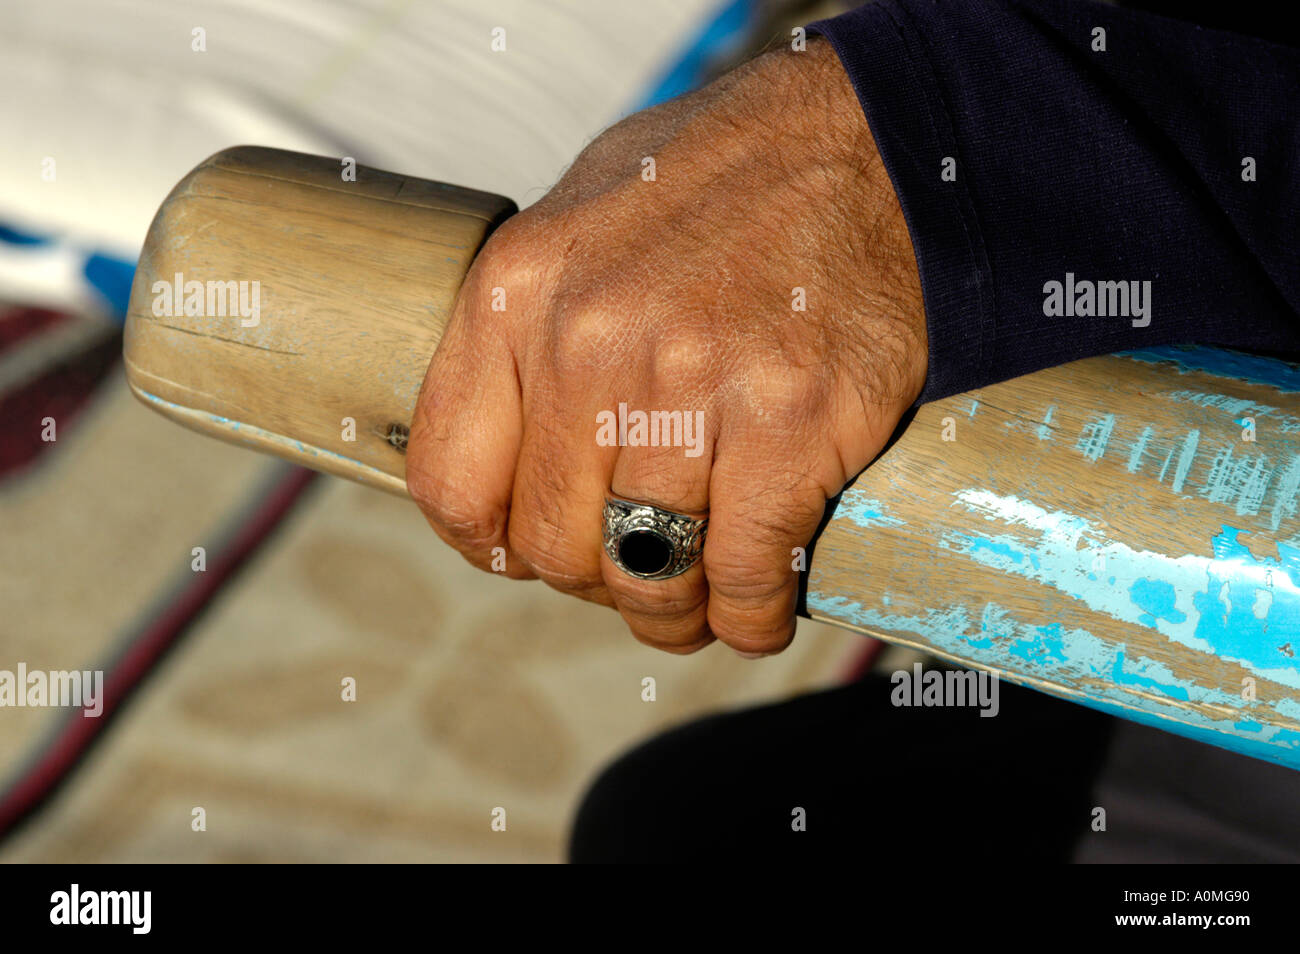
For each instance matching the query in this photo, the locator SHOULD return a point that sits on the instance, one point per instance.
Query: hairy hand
(736, 255)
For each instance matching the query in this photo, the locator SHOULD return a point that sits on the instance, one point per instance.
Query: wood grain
(1105, 531)
(356, 282)
(1101, 531)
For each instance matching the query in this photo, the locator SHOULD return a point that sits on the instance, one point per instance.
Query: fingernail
(750, 655)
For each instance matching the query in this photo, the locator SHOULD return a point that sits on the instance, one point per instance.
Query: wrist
(839, 152)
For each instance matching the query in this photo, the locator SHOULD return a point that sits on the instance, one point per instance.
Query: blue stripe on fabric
(108, 275)
(720, 36)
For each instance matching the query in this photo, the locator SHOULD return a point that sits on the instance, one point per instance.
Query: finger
(559, 493)
(668, 614)
(466, 435)
(757, 520)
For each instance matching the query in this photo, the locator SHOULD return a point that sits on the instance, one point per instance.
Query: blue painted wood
(1121, 531)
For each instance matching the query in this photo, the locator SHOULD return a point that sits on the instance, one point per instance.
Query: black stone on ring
(649, 542)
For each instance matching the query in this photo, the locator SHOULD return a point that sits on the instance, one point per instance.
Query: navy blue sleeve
(1046, 151)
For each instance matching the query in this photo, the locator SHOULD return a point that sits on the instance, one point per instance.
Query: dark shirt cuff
(886, 60)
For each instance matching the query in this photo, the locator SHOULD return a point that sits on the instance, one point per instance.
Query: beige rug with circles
(472, 692)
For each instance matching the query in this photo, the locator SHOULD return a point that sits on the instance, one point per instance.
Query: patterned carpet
(472, 692)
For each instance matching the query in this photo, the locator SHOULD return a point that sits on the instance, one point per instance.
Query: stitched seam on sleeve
(967, 214)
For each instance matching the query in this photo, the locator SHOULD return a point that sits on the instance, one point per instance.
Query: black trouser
(879, 782)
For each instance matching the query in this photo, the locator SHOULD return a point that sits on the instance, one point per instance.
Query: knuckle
(788, 392)
(544, 552)
(741, 582)
(471, 535)
(509, 247)
(687, 356)
(514, 260)
(472, 526)
(583, 339)
(641, 604)
(472, 530)
(475, 532)
(561, 577)
(752, 631)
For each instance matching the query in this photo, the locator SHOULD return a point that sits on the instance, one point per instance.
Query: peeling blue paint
(1220, 600)
(1139, 446)
(1242, 480)
(258, 432)
(1203, 602)
(1116, 683)
(865, 511)
(1236, 473)
(1159, 600)
(1045, 429)
(1095, 436)
(1238, 408)
(1277, 374)
(1000, 548)
(1284, 500)
(1185, 458)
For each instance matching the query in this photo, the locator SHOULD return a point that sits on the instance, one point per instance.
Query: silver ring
(649, 542)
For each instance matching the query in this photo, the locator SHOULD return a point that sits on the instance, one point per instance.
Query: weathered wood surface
(1102, 531)
(356, 281)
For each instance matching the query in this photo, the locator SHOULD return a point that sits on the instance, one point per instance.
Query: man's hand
(738, 252)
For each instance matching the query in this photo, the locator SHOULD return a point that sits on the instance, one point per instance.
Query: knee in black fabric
(846, 771)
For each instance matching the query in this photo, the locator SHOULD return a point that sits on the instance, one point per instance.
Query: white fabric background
(113, 91)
